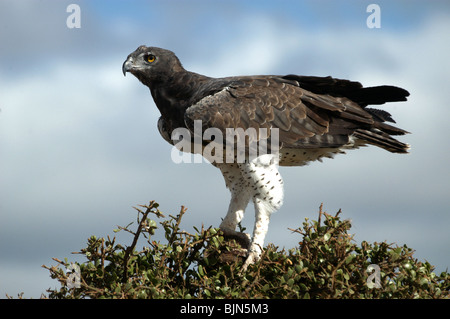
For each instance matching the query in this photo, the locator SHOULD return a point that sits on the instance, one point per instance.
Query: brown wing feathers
(309, 111)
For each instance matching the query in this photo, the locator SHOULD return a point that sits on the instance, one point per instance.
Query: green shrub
(326, 264)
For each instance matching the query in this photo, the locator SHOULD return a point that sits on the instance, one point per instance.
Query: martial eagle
(314, 117)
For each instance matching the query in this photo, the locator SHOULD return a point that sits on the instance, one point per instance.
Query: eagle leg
(260, 181)
(240, 197)
(266, 186)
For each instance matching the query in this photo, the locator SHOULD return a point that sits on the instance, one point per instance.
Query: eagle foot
(252, 257)
(242, 239)
(233, 255)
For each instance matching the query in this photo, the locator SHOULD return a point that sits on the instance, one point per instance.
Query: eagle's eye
(150, 58)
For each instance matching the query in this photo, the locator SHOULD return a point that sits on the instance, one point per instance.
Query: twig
(320, 214)
(130, 249)
(175, 229)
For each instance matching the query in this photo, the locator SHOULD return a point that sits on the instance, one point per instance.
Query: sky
(79, 144)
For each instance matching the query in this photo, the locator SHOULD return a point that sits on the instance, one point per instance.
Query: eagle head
(152, 64)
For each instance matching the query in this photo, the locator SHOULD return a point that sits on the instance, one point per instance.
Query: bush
(326, 264)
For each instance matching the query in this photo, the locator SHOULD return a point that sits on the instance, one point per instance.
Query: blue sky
(79, 144)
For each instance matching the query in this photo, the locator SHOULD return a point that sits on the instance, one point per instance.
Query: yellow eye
(150, 58)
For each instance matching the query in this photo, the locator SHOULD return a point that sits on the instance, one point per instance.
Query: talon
(252, 257)
(243, 239)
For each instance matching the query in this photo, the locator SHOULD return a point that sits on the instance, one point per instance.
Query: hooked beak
(127, 66)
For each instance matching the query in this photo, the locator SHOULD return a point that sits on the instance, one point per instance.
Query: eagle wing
(310, 112)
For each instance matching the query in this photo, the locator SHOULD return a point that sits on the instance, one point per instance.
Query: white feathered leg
(267, 192)
(240, 197)
(261, 181)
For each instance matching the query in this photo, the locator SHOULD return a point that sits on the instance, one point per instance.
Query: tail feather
(369, 128)
(378, 95)
(389, 129)
(381, 139)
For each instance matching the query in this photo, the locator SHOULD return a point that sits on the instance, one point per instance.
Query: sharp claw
(252, 257)
(243, 239)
